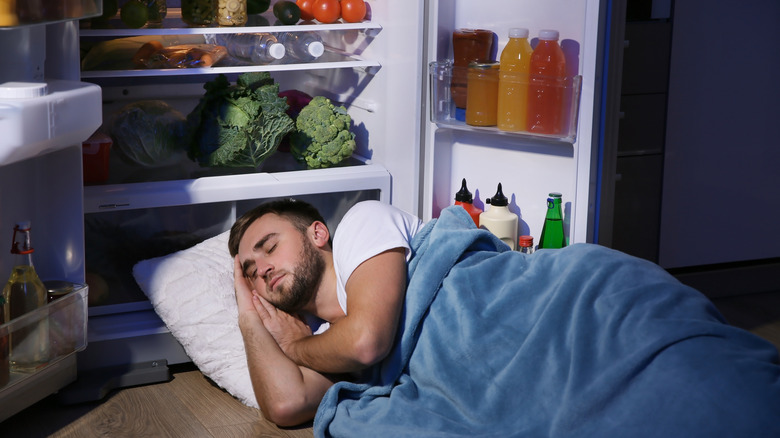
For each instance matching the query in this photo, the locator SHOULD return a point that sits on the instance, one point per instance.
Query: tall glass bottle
(552, 231)
(24, 293)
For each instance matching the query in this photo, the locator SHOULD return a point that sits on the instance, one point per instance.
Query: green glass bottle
(552, 231)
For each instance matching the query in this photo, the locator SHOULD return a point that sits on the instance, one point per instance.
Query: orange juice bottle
(513, 81)
(546, 88)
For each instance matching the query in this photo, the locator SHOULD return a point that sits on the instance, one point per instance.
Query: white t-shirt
(368, 229)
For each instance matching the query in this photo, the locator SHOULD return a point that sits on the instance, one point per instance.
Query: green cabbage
(238, 125)
(147, 132)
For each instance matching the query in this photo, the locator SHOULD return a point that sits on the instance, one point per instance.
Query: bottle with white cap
(302, 46)
(546, 88)
(257, 48)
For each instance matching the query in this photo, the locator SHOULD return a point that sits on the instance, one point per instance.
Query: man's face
(280, 263)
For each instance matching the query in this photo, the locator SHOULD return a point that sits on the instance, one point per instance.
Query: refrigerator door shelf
(444, 113)
(66, 319)
(47, 12)
(65, 116)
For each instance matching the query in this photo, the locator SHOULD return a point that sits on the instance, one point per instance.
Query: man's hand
(286, 329)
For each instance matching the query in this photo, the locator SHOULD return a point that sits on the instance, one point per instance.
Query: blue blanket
(578, 342)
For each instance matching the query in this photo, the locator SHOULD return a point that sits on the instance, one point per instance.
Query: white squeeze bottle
(499, 220)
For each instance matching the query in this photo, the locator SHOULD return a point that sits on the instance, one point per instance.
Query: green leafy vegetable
(147, 132)
(323, 137)
(238, 125)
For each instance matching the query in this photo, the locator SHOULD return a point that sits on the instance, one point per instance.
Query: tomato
(305, 6)
(353, 11)
(326, 11)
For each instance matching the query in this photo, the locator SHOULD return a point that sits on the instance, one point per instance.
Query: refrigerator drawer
(64, 323)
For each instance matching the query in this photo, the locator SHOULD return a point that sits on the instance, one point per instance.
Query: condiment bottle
(513, 81)
(482, 94)
(231, 12)
(24, 293)
(499, 220)
(465, 199)
(525, 244)
(468, 45)
(547, 83)
(552, 231)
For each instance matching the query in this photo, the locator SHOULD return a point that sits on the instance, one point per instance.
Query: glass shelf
(173, 25)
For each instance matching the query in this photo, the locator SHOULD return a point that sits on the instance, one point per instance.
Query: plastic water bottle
(302, 46)
(257, 48)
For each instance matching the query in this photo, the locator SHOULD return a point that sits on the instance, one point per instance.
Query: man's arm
(366, 334)
(287, 394)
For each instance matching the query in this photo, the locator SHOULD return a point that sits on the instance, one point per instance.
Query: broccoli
(323, 137)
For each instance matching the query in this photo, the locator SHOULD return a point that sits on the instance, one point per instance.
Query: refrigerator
(390, 73)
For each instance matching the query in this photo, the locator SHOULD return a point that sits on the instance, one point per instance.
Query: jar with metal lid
(482, 94)
(231, 12)
(199, 12)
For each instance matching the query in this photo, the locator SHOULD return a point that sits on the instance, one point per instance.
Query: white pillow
(192, 292)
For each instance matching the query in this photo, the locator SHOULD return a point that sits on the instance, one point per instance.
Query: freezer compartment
(64, 322)
(446, 115)
(27, 12)
(40, 117)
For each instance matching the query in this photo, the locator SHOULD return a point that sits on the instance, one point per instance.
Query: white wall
(721, 176)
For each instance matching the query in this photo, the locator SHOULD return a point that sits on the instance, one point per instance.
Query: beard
(306, 279)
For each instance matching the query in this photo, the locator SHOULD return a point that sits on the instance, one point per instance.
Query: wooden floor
(191, 406)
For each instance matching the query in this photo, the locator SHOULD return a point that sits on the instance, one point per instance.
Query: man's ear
(319, 234)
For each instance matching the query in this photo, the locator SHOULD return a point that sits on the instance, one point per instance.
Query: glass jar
(199, 12)
(231, 12)
(482, 94)
(158, 9)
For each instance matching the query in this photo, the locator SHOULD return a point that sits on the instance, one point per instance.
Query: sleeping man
(440, 329)
(285, 269)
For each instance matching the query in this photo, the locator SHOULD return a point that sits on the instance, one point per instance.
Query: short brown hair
(300, 214)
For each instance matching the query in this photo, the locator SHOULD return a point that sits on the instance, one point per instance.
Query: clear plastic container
(67, 325)
(443, 110)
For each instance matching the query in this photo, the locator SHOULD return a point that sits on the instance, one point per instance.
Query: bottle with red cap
(23, 293)
(525, 244)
